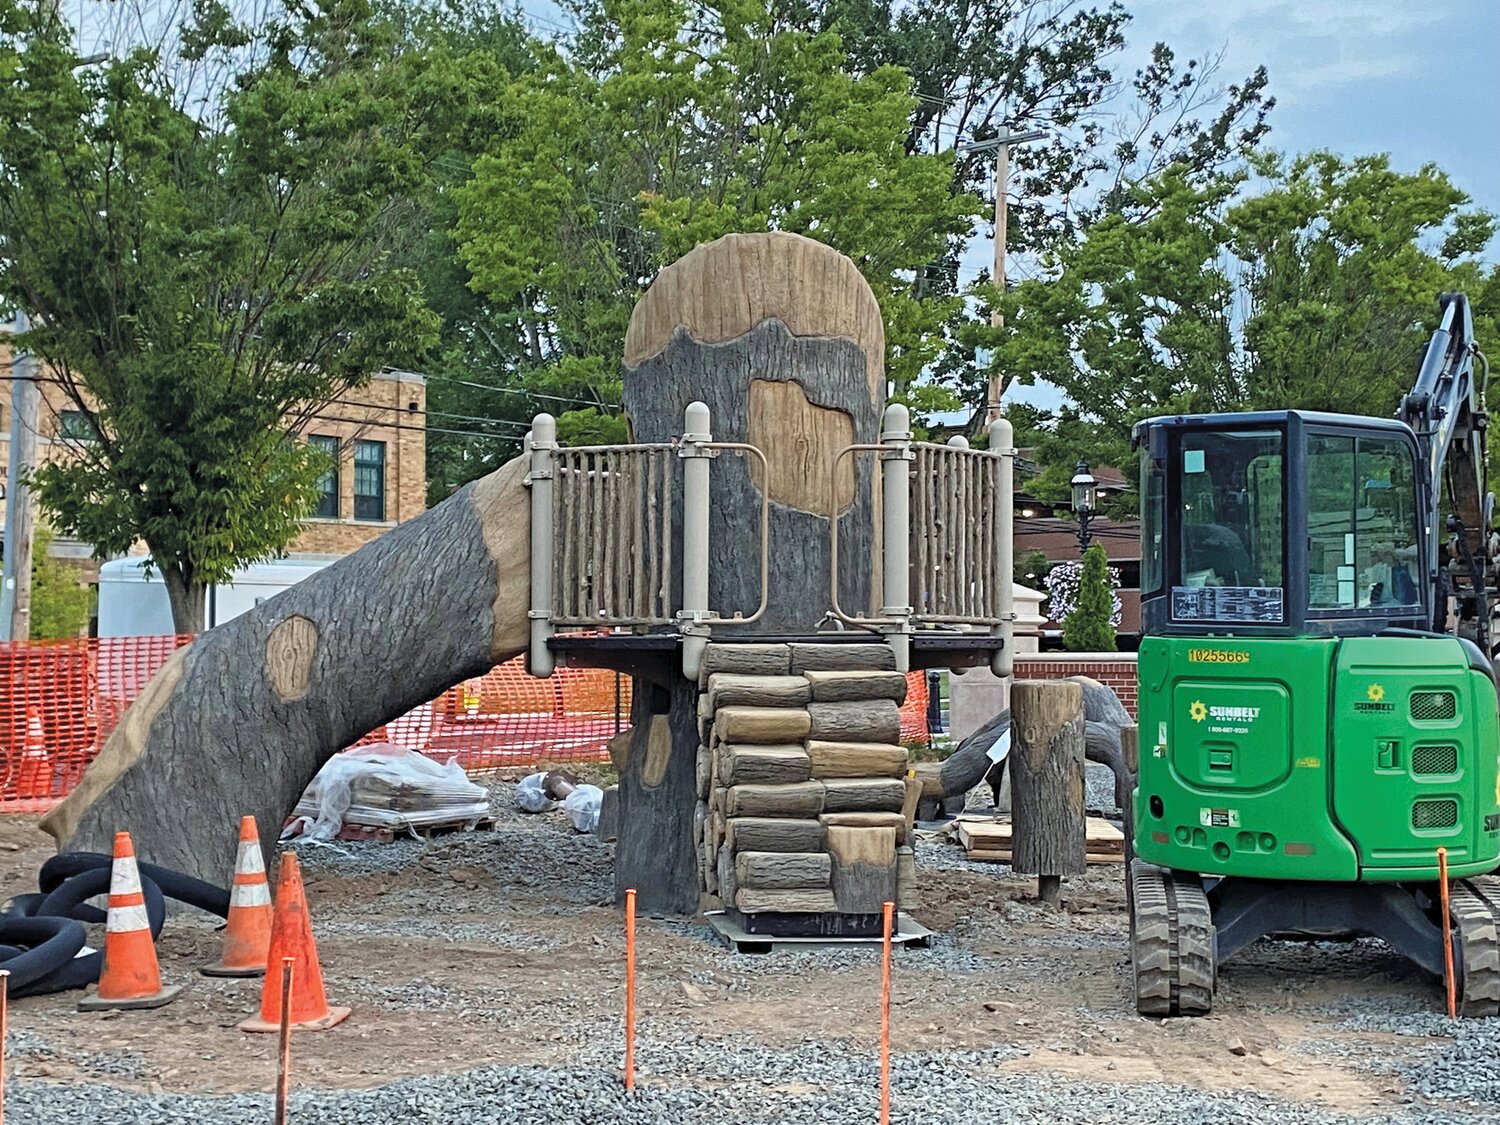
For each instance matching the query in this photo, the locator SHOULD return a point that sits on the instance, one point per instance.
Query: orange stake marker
(630, 990)
(284, 1047)
(887, 910)
(4, 997)
(1447, 932)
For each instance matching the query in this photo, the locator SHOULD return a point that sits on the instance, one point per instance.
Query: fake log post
(1047, 783)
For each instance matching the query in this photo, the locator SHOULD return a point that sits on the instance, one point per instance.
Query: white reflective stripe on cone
(123, 919)
(249, 862)
(124, 879)
(250, 894)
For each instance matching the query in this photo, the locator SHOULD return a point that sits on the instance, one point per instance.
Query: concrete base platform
(908, 932)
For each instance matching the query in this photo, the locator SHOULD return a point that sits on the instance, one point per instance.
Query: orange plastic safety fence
(60, 700)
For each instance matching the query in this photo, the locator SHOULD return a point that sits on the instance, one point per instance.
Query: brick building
(377, 431)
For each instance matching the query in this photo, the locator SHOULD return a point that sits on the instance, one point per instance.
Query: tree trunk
(1047, 781)
(240, 720)
(656, 854)
(187, 597)
(782, 339)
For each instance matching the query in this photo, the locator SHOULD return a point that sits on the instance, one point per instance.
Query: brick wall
(1113, 669)
(391, 408)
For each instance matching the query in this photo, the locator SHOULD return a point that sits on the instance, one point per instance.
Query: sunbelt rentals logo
(1236, 719)
(1374, 701)
(1200, 711)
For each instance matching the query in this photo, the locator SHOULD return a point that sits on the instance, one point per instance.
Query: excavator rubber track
(1172, 943)
(1474, 906)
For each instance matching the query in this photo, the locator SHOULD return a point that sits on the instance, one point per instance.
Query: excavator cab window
(1361, 524)
(1228, 515)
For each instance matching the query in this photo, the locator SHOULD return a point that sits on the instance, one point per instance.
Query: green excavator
(1318, 702)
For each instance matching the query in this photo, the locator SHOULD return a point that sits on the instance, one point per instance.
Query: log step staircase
(806, 799)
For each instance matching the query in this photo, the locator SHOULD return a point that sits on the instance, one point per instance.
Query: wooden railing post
(543, 443)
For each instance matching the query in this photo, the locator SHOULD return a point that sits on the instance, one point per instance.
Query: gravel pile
(714, 1083)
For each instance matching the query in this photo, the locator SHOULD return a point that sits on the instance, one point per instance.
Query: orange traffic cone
(131, 977)
(292, 936)
(248, 935)
(34, 771)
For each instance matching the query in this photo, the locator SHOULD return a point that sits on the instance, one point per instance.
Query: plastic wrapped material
(531, 794)
(582, 807)
(386, 786)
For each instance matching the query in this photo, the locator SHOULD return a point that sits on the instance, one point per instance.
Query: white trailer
(133, 603)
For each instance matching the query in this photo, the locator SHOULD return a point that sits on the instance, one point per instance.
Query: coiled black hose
(42, 935)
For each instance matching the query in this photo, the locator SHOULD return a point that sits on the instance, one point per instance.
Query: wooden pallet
(987, 839)
(425, 831)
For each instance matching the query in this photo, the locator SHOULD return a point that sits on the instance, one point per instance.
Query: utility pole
(1000, 143)
(20, 517)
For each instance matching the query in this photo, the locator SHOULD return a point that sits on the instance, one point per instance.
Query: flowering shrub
(1062, 584)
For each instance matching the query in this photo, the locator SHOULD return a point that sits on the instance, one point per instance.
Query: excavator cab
(1317, 715)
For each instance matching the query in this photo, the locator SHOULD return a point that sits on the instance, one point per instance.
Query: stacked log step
(805, 805)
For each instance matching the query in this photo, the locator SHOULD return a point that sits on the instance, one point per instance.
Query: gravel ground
(503, 947)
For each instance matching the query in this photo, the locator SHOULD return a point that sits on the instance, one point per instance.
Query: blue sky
(1414, 78)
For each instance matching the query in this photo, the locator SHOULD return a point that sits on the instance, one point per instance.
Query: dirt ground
(501, 947)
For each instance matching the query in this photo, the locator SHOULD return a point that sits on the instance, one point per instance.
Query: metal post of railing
(1003, 442)
(541, 481)
(896, 456)
(693, 616)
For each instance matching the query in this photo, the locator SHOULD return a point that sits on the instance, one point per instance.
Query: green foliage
(1316, 290)
(1088, 628)
(60, 605)
(1031, 567)
(667, 126)
(203, 260)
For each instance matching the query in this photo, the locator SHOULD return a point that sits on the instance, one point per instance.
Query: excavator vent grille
(1440, 813)
(1434, 759)
(1428, 706)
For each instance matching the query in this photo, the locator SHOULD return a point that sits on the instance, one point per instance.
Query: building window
(327, 507)
(369, 480)
(74, 425)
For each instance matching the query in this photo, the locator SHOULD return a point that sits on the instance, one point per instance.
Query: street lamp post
(1085, 501)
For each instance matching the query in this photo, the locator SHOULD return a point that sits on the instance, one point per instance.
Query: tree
(1315, 290)
(666, 125)
(60, 604)
(203, 232)
(1031, 568)
(1089, 626)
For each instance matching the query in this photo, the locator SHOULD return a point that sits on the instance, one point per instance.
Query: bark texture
(656, 854)
(240, 720)
(1047, 779)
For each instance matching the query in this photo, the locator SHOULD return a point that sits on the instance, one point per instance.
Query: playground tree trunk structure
(782, 338)
(1048, 837)
(241, 719)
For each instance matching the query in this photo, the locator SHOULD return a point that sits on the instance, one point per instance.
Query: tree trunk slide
(726, 689)
(880, 794)
(763, 765)
(240, 721)
(782, 871)
(1047, 779)
(804, 799)
(855, 759)
(773, 834)
(844, 687)
(875, 720)
(864, 867)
